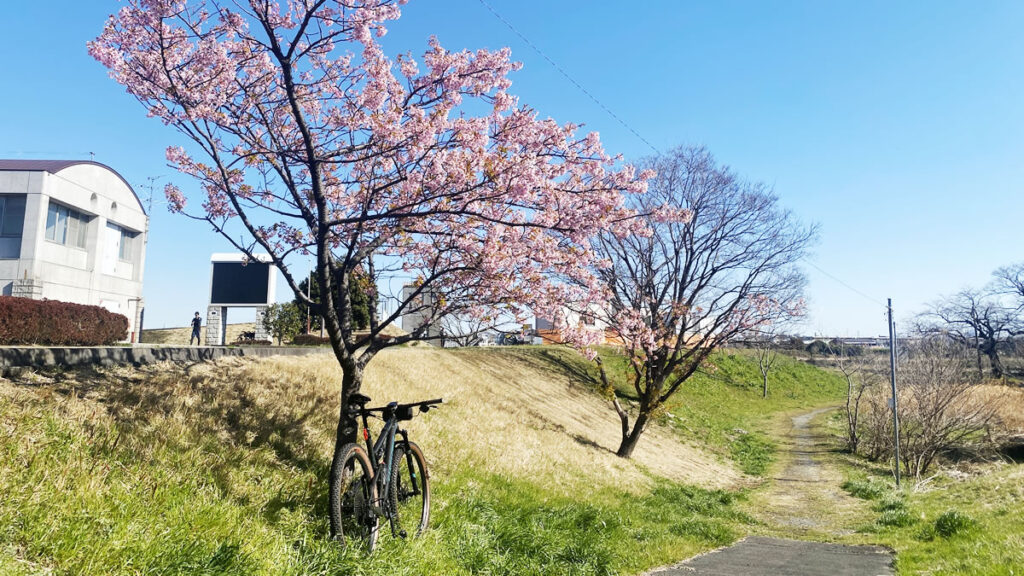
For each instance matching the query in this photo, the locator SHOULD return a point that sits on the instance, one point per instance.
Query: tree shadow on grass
(553, 363)
(557, 362)
(228, 403)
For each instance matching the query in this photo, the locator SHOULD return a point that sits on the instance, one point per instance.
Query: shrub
(939, 412)
(890, 503)
(865, 489)
(54, 323)
(282, 320)
(952, 522)
(899, 517)
(753, 453)
(818, 348)
(310, 340)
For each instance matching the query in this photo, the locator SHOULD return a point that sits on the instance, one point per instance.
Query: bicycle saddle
(359, 399)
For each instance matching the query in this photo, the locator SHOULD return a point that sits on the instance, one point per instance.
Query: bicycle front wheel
(352, 493)
(410, 489)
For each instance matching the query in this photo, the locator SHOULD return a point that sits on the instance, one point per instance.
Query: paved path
(805, 501)
(760, 556)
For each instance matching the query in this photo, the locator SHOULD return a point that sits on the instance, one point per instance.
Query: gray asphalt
(759, 556)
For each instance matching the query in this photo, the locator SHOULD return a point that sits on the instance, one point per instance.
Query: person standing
(197, 323)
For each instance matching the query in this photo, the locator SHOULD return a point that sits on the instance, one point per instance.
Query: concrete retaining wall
(79, 356)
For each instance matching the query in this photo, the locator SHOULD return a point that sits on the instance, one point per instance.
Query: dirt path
(803, 501)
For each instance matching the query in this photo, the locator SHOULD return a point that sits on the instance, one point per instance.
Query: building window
(12, 216)
(126, 243)
(66, 226)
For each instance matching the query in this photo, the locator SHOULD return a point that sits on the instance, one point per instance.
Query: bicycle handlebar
(423, 405)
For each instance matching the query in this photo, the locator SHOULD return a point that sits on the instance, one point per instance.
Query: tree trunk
(851, 417)
(348, 424)
(764, 390)
(629, 440)
(995, 361)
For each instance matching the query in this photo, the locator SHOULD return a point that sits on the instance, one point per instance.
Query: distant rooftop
(52, 166)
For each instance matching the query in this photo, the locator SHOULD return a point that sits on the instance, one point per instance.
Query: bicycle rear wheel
(410, 489)
(352, 491)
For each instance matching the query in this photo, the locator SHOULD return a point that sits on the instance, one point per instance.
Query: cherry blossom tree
(719, 261)
(305, 138)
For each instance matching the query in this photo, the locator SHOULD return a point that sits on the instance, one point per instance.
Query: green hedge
(310, 340)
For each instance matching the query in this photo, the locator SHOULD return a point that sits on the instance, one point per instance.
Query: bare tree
(465, 330)
(767, 354)
(719, 261)
(938, 411)
(980, 319)
(862, 373)
(765, 343)
(1010, 280)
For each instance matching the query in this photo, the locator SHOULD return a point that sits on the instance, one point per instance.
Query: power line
(630, 128)
(848, 287)
(566, 74)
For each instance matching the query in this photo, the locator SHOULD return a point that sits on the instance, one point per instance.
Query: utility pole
(892, 380)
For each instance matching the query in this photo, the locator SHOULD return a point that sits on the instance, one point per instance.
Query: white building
(420, 312)
(73, 231)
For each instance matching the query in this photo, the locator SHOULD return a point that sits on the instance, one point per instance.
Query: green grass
(753, 452)
(722, 406)
(973, 526)
(952, 525)
(84, 502)
(866, 489)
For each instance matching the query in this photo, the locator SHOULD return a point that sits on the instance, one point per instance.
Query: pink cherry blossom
(304, 136)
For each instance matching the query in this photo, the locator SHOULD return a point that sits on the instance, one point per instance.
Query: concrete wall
(413, 320)
(28, 184)
(38, 357)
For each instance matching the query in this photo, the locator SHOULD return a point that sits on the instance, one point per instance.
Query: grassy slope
(722, 406)
(217, 469)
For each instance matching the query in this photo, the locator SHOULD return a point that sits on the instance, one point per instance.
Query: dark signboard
(235, 283)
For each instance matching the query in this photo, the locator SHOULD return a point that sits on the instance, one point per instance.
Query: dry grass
(505, 415)
(180, 336)
(1009, 404)
(513, 415)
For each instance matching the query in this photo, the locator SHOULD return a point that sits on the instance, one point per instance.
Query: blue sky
(897, 127)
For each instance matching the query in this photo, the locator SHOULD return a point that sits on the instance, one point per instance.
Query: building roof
(55, 166)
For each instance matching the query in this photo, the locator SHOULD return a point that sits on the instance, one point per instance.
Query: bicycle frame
(382, 452)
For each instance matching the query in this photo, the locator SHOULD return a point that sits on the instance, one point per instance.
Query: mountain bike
(393, 484)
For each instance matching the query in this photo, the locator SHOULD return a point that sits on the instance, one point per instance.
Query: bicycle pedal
(402, 534)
